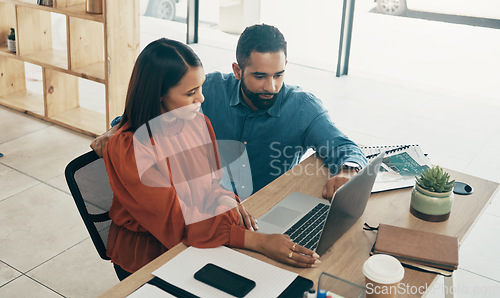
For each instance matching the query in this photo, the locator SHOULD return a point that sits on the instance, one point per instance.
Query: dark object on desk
(170, 288)
(225, 280)
(463, 189)
(297, 288)
(427, 251)
(1, 155)
(89, 185)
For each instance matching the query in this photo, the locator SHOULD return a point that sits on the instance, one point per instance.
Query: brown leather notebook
(428, 251)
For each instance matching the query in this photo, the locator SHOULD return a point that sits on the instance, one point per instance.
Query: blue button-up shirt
(275, 139)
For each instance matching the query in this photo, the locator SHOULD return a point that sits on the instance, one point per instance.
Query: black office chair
(89, 185)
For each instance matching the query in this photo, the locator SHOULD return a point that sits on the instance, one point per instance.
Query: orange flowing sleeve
(157, 209)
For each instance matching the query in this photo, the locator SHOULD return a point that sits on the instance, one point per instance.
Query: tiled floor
(45, 250)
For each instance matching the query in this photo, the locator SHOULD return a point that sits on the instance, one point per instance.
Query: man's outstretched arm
(336, 150)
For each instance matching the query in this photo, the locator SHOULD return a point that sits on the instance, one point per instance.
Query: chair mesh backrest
(89, 185)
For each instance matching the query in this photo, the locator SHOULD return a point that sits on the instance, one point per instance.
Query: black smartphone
(225, 280)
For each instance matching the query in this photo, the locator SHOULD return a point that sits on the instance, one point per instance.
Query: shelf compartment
(7, 21)
(13, 92)
(69, 56)
(35, 28)
(86, 47)
(79, 11)
(67, 3)
(81, 119)
(35, 43)
(4, 50)
(71, 8)
(25, 101)
(60, 90)
(63, 103)
(77, 8)
(12, 76)
(94, 72)
(48, 58)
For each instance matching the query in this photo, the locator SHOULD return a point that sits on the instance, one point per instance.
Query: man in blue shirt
(275, 122)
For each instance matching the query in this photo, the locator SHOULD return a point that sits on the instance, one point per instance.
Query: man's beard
(259, 103)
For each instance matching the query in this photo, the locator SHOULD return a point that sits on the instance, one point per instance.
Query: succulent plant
(12, 34)
(435, 179)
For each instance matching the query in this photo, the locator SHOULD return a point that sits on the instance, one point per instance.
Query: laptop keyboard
(307, 230)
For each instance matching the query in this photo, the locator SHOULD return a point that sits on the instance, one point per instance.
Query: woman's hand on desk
(279, 247)
(246, 219)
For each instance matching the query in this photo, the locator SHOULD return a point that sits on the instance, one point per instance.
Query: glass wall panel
(450, 45)
(311, 28)
(220, 21)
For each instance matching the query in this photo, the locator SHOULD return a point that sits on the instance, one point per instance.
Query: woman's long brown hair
(159, 67)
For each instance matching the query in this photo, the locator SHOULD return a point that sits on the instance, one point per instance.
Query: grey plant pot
(11, 45)
(430, 206)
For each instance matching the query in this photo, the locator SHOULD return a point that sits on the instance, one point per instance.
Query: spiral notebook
(400, 165)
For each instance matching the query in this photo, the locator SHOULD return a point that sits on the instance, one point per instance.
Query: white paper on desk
(270, 280)
(150, 291)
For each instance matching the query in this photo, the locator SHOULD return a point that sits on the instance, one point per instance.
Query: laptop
(315, 223)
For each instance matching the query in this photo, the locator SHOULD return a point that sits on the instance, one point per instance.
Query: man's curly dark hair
(259, 38)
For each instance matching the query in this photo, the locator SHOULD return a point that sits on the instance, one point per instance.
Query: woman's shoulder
(122, 135)
(205, 122)
(120, 142)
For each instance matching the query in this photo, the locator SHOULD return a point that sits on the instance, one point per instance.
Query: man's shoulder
(218, 90)
(294, 95)
(296, 92)
(219, 78)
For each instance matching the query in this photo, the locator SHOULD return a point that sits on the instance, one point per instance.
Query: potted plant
(11, 41)
(432, 195)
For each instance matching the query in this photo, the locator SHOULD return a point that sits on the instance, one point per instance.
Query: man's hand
(336, 182)
(100, 142)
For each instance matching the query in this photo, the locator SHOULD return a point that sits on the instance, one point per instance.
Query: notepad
(270, 280)
(399, 167)
(427, 251)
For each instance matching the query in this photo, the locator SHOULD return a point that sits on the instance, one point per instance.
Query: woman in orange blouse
(164, 171)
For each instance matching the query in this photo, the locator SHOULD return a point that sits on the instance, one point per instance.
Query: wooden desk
(345, 258)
